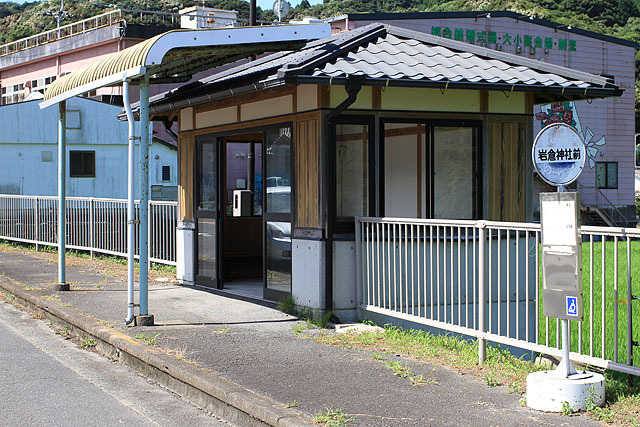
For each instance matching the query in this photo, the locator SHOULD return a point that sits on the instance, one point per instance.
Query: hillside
(618, 18)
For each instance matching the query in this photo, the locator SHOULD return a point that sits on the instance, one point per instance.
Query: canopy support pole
(131, 216)
(144, 319)
(62, 157)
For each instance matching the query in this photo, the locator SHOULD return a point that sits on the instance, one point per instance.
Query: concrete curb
(204, 389)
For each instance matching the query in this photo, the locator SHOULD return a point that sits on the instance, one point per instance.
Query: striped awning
(176, 55)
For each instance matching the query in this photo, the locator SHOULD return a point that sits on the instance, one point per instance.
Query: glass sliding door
(431, 170)
(277, 212)
(207, 210)
(454, 174)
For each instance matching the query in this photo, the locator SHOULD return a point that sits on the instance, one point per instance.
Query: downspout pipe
(131, 223)
(353, 86)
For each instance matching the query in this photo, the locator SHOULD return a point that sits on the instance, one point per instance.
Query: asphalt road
(46, 380)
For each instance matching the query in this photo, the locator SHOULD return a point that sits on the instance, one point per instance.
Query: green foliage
(333, 418)
(566, 409)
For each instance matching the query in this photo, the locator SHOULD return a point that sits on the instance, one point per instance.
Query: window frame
(431, 124)
(82, 154)
(342, 227)
(607, 186)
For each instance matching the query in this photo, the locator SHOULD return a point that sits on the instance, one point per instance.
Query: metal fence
(483, 279)
(92, 224)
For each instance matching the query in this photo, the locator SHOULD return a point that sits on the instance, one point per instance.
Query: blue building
(96, 152)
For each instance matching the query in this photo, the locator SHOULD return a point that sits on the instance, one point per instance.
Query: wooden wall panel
(507, 171)
(307, 167)
(186, 163)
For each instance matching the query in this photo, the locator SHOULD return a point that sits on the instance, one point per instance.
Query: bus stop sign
(558, 154)
(561, 256)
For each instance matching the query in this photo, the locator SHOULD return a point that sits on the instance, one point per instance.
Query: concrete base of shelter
(548, 392)
(146, 320)
(60, 287)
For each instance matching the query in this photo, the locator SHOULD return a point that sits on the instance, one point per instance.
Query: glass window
(238, 157)
(405, 172)
(453, 180)
(352, 171)
(207, 230)
(82, 164)
(278, 173)
(207, 185)
(607, 174)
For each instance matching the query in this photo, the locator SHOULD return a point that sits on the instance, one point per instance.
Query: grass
(148, 338)
(333, 418)
(161, 268)
(289, 306)
(88, 343)
(501, 368)
(581, 339)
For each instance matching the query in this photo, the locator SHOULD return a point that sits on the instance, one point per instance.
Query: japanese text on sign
(506, 39)
(558, 155)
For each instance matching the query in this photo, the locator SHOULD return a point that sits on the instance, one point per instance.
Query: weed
(88, 343)
(148, 338)
(298, 328)
(566, 409)
(293, 404)
(220, 331)
(492, 380)
(523, 402)
(288, 305)
(405, 372)
(333, 418)
(29, 288)
(56, 300)
(105, 323)
(377, 356)
(11, 298)
(63, 332)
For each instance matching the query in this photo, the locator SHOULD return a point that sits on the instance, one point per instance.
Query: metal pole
(482, 343)
(565, 368)
(252, 13)
(131, 223)
(62, 156)
(145, 319)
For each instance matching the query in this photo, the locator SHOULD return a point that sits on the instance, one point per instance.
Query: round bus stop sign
(558, 154)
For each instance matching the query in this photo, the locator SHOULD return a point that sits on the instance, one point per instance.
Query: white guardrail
(483, 279)
(92, 224)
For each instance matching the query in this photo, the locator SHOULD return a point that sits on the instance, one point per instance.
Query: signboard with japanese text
(558, 154)
(561, 255)
(493, 39)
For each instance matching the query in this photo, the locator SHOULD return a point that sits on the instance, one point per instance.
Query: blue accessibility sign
(572, 306)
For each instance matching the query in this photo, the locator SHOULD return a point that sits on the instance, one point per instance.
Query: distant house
(96, 152)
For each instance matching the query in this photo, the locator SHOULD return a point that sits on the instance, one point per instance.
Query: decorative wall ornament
(566, 113)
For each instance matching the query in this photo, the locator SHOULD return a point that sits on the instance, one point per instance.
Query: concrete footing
(548, 392)
(61, 286)
(146, 320)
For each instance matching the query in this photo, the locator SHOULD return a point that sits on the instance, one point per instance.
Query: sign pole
(565, 367)
(558, 155)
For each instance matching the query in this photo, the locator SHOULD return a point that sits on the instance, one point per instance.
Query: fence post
(91, 226)
(358, 267)
(37, 223)
(482, 343)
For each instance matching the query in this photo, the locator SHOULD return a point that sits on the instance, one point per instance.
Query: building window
(166, 173)
(352, 142)
(607, 174)
(82, 164)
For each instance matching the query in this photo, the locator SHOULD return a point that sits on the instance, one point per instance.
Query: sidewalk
(268, 366)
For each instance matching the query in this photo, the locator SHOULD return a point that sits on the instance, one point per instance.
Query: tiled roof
(383, 55)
